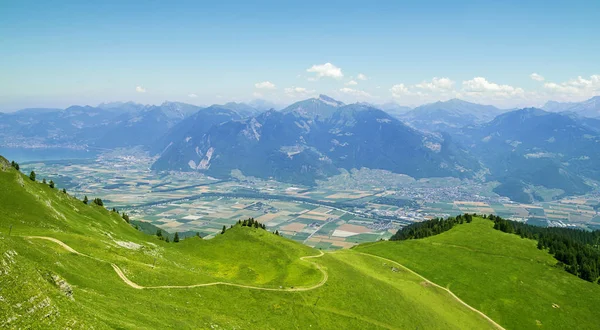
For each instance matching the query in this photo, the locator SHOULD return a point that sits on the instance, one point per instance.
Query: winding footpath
(291, 289)
(498, 326)
(137, 286)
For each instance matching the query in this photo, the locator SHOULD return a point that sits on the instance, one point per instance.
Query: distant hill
(532, 147)
(264, 105)
(318, 108)
(394, 109)
(449, 115)
(36, 111)
(311, 139)
(243, 109)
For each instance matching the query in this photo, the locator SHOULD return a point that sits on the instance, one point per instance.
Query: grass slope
(42, 285)
(500, 274)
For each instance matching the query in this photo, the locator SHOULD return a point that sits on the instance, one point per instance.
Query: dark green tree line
(576, 250)
(430, 227)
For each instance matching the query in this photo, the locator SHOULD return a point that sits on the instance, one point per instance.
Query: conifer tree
(44, 180)
(51, 184)
(85, 199)
(32, 176)
(64, 191)
(176, 238)
(224, 228)
(167, 239)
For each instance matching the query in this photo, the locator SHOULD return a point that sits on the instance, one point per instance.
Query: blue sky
(55, 54)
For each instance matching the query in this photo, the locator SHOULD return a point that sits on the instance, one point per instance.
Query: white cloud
(354, 92)
(436, 84)
(576, 87)
(351, 83)
(298, 92)
(140, 89)
(265, 85)
(257, 95)
(399, 90)
(361, 77)
(192, 95)
(479, 86)
(536, 77)
(326, 70)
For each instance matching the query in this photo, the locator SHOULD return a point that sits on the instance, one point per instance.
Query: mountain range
(312, 139)
(531, 147)
(532, 153)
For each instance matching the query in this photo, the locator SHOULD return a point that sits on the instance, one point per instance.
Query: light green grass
(502, 275)
(360, 292)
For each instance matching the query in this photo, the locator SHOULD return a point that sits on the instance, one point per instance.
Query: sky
(506, 53)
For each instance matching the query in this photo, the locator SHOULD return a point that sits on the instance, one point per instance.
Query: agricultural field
(354, 207)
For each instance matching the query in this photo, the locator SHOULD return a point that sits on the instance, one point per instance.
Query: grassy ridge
(44, 286)
(502, 275)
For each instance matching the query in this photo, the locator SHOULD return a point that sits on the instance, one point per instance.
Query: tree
(125, 217)
(167, 239)
(198, 235)
(159, 233)
(32, 176)
(98, 202)
(224, 229)
(51, 184)
(85, 199)
(114, 210)
(277, 232)
(15, 165)
(64, 191)
(176, 238)
(44, 180)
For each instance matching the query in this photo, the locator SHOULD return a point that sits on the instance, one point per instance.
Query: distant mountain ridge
(525, 150)
(588, 108)
(532, 147)
(311, 139)
(109, 125)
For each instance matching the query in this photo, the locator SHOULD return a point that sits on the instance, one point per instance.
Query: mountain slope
(191, 130)
(504, 276)
(311, 139)
(69, 277)
(533, 147)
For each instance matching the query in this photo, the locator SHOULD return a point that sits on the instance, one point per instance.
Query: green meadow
(249, 278)
(255, 279)
(504, 276)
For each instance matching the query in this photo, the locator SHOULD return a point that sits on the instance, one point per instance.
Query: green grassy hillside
(502, 275)
(252, 278)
